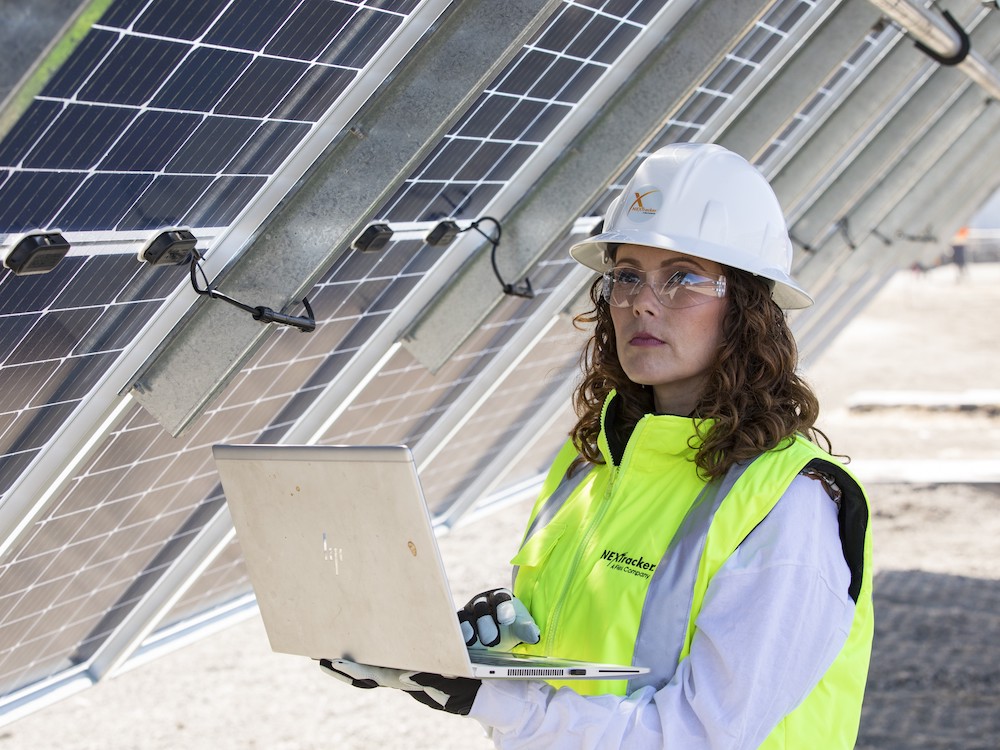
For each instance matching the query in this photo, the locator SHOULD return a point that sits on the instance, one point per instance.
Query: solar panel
(384, 282)
(115, 143)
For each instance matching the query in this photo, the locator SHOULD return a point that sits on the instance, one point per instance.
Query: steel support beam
(958, 152)
(966, 113)
(969, 164)
(921, 103)
(835, 37)
(936, 35)
(806, 174)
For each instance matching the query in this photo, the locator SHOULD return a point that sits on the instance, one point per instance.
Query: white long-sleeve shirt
(753, 658)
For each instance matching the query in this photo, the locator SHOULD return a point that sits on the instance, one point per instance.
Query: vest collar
(660, 434)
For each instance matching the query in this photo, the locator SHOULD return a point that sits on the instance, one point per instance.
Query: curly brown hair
(754, 395)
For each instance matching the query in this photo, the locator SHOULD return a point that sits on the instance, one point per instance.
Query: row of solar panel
(132, 510)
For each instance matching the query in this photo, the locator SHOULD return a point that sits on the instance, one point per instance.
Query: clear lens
(672, 288)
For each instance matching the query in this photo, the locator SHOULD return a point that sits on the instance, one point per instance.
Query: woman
(691, 524)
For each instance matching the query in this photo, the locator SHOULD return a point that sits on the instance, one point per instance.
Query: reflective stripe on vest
(552, 505)
(664, 623)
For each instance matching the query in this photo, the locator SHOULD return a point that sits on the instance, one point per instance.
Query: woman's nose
(645, 300)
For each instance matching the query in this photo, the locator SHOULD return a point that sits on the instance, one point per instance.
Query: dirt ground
(936, 666)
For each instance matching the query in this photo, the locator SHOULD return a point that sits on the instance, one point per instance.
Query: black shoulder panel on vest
(853, 519)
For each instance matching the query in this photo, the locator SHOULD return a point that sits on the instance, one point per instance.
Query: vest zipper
(591, 530)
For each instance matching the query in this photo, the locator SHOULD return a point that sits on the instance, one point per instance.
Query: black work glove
(452, 694)
(497, 620)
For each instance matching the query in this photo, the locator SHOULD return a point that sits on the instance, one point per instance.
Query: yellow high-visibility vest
(617, 559)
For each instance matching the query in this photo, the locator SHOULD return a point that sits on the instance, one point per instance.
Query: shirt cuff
(504, 705)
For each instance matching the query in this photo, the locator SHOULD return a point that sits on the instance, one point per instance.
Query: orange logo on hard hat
(646, 204)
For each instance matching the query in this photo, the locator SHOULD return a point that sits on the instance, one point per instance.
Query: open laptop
(344, 562)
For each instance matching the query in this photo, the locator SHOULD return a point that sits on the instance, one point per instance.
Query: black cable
(261, 313)
(964, 44)
(524, 290)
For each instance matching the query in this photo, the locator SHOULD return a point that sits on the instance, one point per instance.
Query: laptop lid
(344, 562)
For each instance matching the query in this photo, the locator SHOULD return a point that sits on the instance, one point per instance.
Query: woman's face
(669, 349)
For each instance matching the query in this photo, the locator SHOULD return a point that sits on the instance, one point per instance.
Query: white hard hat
(705, 201)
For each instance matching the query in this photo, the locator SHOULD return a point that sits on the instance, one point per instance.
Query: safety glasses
(672, 288)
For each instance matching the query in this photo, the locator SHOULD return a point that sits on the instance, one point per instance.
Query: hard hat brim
(593, 253)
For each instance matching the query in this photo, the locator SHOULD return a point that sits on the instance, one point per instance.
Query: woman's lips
(645, 339)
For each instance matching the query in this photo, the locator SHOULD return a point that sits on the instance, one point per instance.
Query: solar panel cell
(75, 377)
(643, 11)
(308, 31)
(78, 137)
(12, 332)
(212, 145)
(514, 121)
(33, 293)
(593, 35)
(522, 75)
(100, 199)
(98, 281)
(472, 205)
(614, 44)
(202, 79)
(31, 429)
(223, 201)
(560, 34)
(152, 140)
(398, 6)
(21, 383)
(315, 93)
(449, 158)
(482, 117)
(132, 71)
(261, 88)
(22, 136)
(484, 159)
(152, 283)
(181, 19)
(249, 24)
(546, 122)
(167, 197)
(32, 198)
(54, 336)
(81, 64)
(578, 84)
(357, 44)
(118, 326)
(268, 148)
(512, 160)
(12, 465)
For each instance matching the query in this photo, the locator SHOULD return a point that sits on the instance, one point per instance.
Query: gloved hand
(452, 694)
(497, 620)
